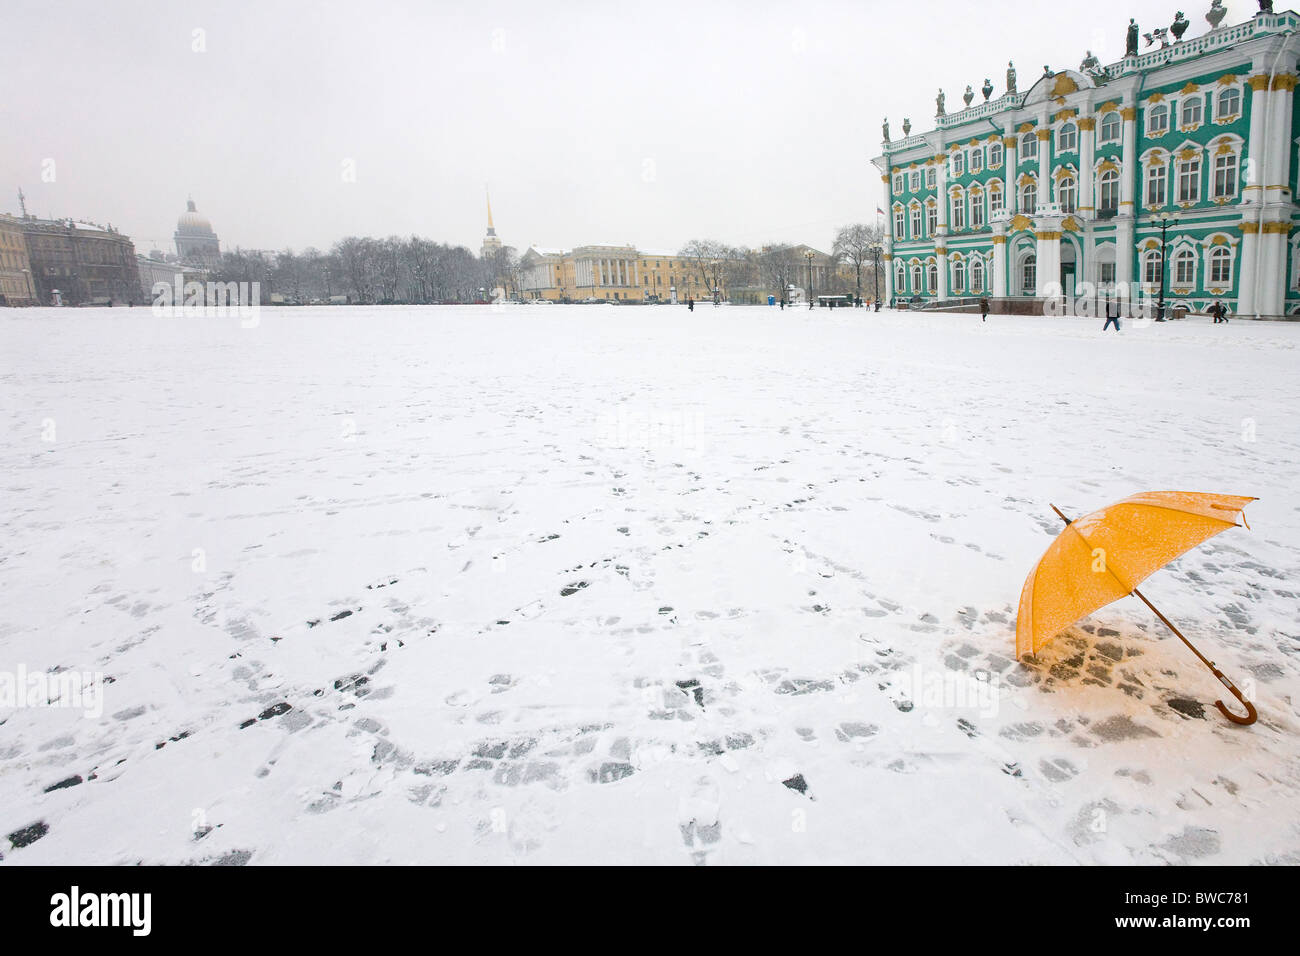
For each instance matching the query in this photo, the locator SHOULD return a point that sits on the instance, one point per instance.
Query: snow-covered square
(562, 584)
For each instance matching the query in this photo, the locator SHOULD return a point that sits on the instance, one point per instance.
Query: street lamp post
(1165, 223)
(876, 250)
(808, 254)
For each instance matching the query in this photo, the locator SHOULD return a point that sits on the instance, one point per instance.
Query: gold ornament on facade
(1129, 113)
(1088, 123)
(1021, 221)
(1048, 235)
(1228, 79)
(1190, 88)
(1064, 85)
(1043, 135)
(1024, 127)
(1285, 81)
(1258, 82)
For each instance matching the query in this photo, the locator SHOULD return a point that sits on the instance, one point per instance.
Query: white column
(941, 197)
(1129, 174)
(941, 264)
(1048, 259)
(1044, 164)
(1257, 153)
(1124, 252)
(1246, 299)
(1279, 160)
(999, 261)
(1011, 159)
(1087, 156)
(887, 286)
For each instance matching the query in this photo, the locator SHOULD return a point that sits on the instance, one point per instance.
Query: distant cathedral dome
(193, 223)
(196, 242)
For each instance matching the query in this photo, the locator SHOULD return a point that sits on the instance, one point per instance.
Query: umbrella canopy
(1105, 555)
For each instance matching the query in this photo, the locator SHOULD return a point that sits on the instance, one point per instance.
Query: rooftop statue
(1131, 42)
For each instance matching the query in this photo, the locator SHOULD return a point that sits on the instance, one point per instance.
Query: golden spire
(491, 230)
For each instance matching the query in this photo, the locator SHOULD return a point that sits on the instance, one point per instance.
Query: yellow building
(610, 272)
(16, 284)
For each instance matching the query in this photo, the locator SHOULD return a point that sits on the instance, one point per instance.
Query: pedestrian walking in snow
(1112, 315)
(783, 305)
(690, 305)
(984, 309)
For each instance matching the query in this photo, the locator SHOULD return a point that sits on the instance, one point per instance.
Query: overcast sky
(651, 122)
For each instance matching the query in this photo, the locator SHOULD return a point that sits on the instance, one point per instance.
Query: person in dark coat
(783, 305)
(690, 305)
(1112, 314)
(984, 309)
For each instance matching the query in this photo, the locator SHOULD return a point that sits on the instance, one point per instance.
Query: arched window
(1110, 127)
(900, 223)
(1192, 111)
(1221, 266)
(958, 209)
(1152, 267)
(958, 275)
(1157, 120)
(1225, 176)
(995, 154)
(1189, 180)
(977, 275)
(1229, 104)
(932, 278)
(932, 216)
(1028, 146)
(1068, 139)
(900, 278)
(916, 221)
(995, 199)
(1066, 191)
(1028, 198)
(976, 209)
(1029, 274)
(1155, 186)
(1184, 268)
(1108, 191)
(916, 278)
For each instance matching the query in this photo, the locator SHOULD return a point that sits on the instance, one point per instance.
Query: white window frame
(1189, 180)
(1028, 146)
(1119, 127)
(1154, 110)
(996, 150)
(1197, 100)
(1067, 138)
(1108, 181)
(1071, 191)
(1220, 114)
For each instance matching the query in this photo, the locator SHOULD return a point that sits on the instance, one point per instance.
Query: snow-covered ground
(616, 585)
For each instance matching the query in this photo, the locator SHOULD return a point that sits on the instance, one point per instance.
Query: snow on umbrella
(1105, 555)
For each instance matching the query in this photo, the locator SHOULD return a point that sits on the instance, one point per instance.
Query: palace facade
(1174, 169)
(608, 272)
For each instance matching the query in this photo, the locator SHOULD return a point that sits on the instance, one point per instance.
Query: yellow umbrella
(1105, 555)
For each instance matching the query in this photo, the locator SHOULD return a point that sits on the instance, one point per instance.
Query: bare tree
(853, 246)
(713, 261)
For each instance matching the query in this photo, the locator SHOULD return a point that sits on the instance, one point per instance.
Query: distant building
(608, 272)
(156, 267)
(88, 264)
(16, 284)
(196, 243)
(491, 242)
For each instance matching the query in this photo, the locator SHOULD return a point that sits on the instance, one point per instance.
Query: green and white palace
(1067, 186)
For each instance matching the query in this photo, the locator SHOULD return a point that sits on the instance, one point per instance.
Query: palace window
(995, 154)
(958, 163)
(1192, 111)
(977, 275)
(929, 178)
(1155, 186)
(1184, 268)
(900, 278)
(916, 222)
(1221, 266)
(958, 276)
(1106, 273)
(1066, 190)
(1029, 274)
(932, 217)
(1152, 267)
(1108, 191)
(1157, 120)
(916, 278)
(1110, 127)
(1228, 105)
(977, 211)
(898, 186)
(995, 200)
(1189, 180)
(958, 211)
(899, 223)
(914, 180)
(1029, 198)
(1028, 146)
(1225, 176)
(1068, 139)
(932, 278)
